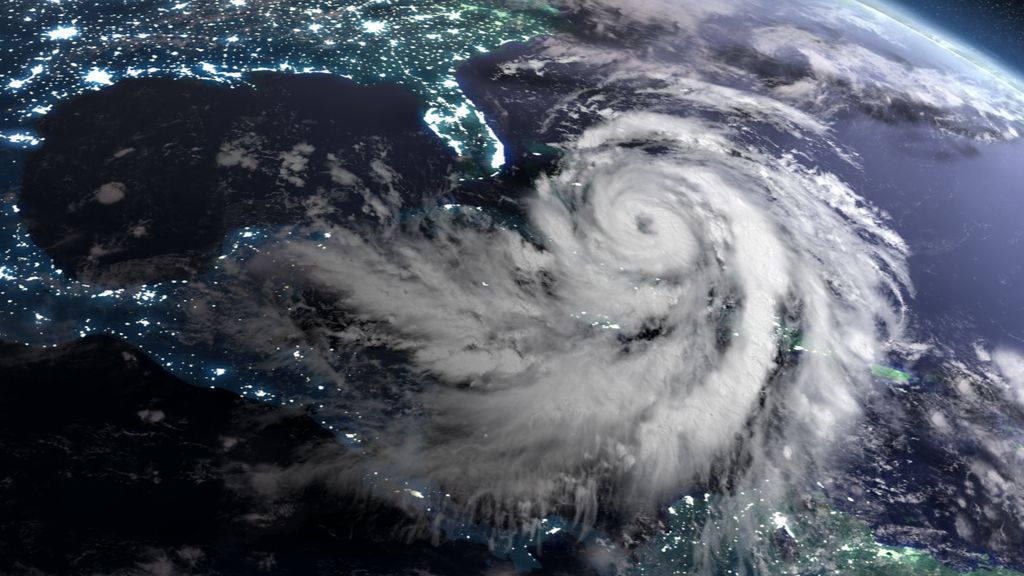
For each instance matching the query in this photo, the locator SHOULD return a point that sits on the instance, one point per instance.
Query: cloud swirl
(672, 288)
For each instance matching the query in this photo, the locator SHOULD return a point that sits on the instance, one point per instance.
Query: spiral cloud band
(584, 281)
(674, 285)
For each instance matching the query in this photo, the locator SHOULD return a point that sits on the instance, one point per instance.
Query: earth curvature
(659, 287)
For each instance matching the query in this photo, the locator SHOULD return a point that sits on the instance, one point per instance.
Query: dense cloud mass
(674, 285)
(688, 298)
(635, 334)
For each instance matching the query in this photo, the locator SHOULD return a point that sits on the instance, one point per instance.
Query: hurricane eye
(644, 224)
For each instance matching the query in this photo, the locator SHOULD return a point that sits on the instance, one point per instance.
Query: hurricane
(648, 288)
(667, 310)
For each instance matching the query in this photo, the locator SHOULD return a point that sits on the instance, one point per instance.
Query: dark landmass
(110, 465)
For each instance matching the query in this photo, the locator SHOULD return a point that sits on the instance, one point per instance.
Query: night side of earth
(576, 287)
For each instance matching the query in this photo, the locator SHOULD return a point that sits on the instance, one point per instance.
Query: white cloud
(110, 193)
(539, 347)
(1010, 363)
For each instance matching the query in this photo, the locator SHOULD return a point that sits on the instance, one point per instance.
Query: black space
(992, 26)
